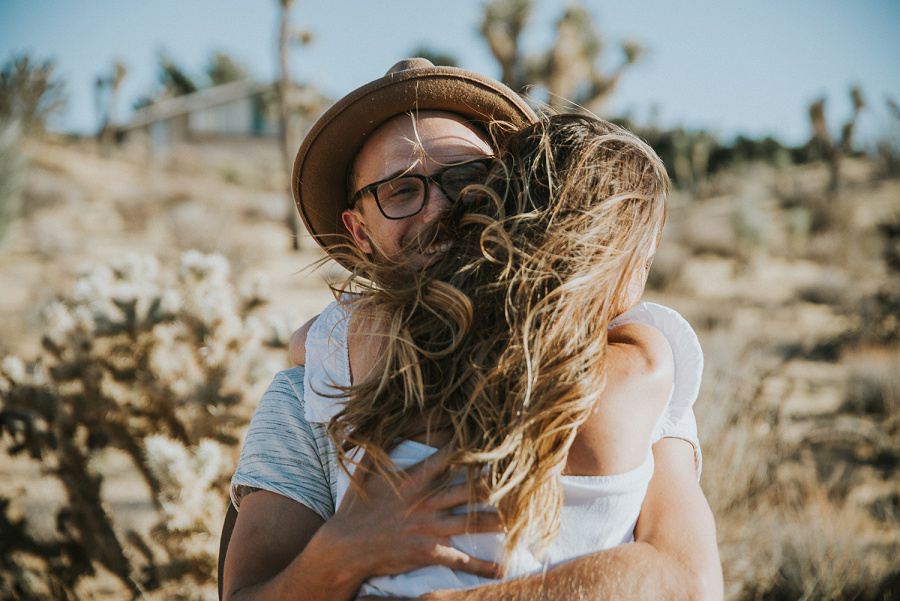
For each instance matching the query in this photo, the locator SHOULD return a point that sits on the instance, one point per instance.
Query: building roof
(201, 99)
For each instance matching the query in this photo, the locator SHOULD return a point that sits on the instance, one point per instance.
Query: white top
(328, 367)
(599, 512)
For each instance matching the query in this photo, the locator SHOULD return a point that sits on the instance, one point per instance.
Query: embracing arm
(270, 534)
(280, 547)
(674, 555)
(297, 346)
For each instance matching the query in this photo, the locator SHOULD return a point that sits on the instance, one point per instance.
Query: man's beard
(412, 253)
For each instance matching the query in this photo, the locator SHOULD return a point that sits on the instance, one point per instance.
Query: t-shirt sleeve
(282, 452)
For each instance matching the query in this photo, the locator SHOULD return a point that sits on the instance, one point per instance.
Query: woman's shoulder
(686, 350)
(640, 372)
(641, 349)
(318, 330)
(678, 419)
(616, 436)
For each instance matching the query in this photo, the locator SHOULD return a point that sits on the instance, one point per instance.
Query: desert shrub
(798, 224)
(686, 154)
(749, 224)
(736, 420)
(30, 92)
(818, 553)
(12, 174)
(825, 292)
(879, 315)
(888, 144)
(890, 230)
(873, 385)
(151, 366)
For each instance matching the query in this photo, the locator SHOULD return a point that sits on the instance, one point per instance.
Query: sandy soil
(767, 297)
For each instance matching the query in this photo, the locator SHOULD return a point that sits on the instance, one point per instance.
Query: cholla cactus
(154, 367)
(190, 500)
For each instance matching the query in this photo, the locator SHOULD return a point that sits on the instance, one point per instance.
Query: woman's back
(600, 508)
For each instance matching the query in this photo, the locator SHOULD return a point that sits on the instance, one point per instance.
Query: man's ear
(357, 229)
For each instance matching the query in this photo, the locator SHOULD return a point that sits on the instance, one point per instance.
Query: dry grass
(798, 413)
(794, 304)
(874, 382)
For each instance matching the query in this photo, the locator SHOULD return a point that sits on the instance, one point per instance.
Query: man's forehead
(437, 134)
(427, 138)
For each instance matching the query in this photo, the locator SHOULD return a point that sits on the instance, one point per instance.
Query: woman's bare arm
(617, 434)
(674, 556)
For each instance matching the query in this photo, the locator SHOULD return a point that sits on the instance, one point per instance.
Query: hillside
(795, 295)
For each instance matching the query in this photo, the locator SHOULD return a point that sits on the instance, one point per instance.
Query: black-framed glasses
(405, 195)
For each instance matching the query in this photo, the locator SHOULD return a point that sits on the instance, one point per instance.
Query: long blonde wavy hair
(504, 340)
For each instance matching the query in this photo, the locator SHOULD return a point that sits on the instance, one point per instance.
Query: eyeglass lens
(405, 196)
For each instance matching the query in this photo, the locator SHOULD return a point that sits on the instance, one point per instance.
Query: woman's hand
(391, 527)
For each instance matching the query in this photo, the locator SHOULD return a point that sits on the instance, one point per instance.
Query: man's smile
(437, 248)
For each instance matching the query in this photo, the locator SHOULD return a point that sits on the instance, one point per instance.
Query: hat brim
(319, 179)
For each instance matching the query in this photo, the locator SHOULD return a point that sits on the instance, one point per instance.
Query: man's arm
(674, 556)
(281, 549)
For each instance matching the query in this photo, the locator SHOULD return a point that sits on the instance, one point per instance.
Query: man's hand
(390, 527)
(281, 548)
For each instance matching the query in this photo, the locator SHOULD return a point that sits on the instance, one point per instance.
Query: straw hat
(319, 180)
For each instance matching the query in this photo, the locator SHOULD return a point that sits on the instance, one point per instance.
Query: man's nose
(436, 204)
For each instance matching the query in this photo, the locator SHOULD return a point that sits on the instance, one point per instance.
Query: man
(346, 181)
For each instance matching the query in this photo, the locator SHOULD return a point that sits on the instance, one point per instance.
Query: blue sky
(731, 67)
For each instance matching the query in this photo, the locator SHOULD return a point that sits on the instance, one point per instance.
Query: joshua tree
(502, 26)
(834, 151)
(889, 142)
(106, 90)
(173, 78)
(570, 70)
(288, 104)
(224, 69)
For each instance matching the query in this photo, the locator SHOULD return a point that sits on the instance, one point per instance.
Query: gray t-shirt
(284, 453)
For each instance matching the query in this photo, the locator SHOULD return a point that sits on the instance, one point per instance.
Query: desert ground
(794, 293)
